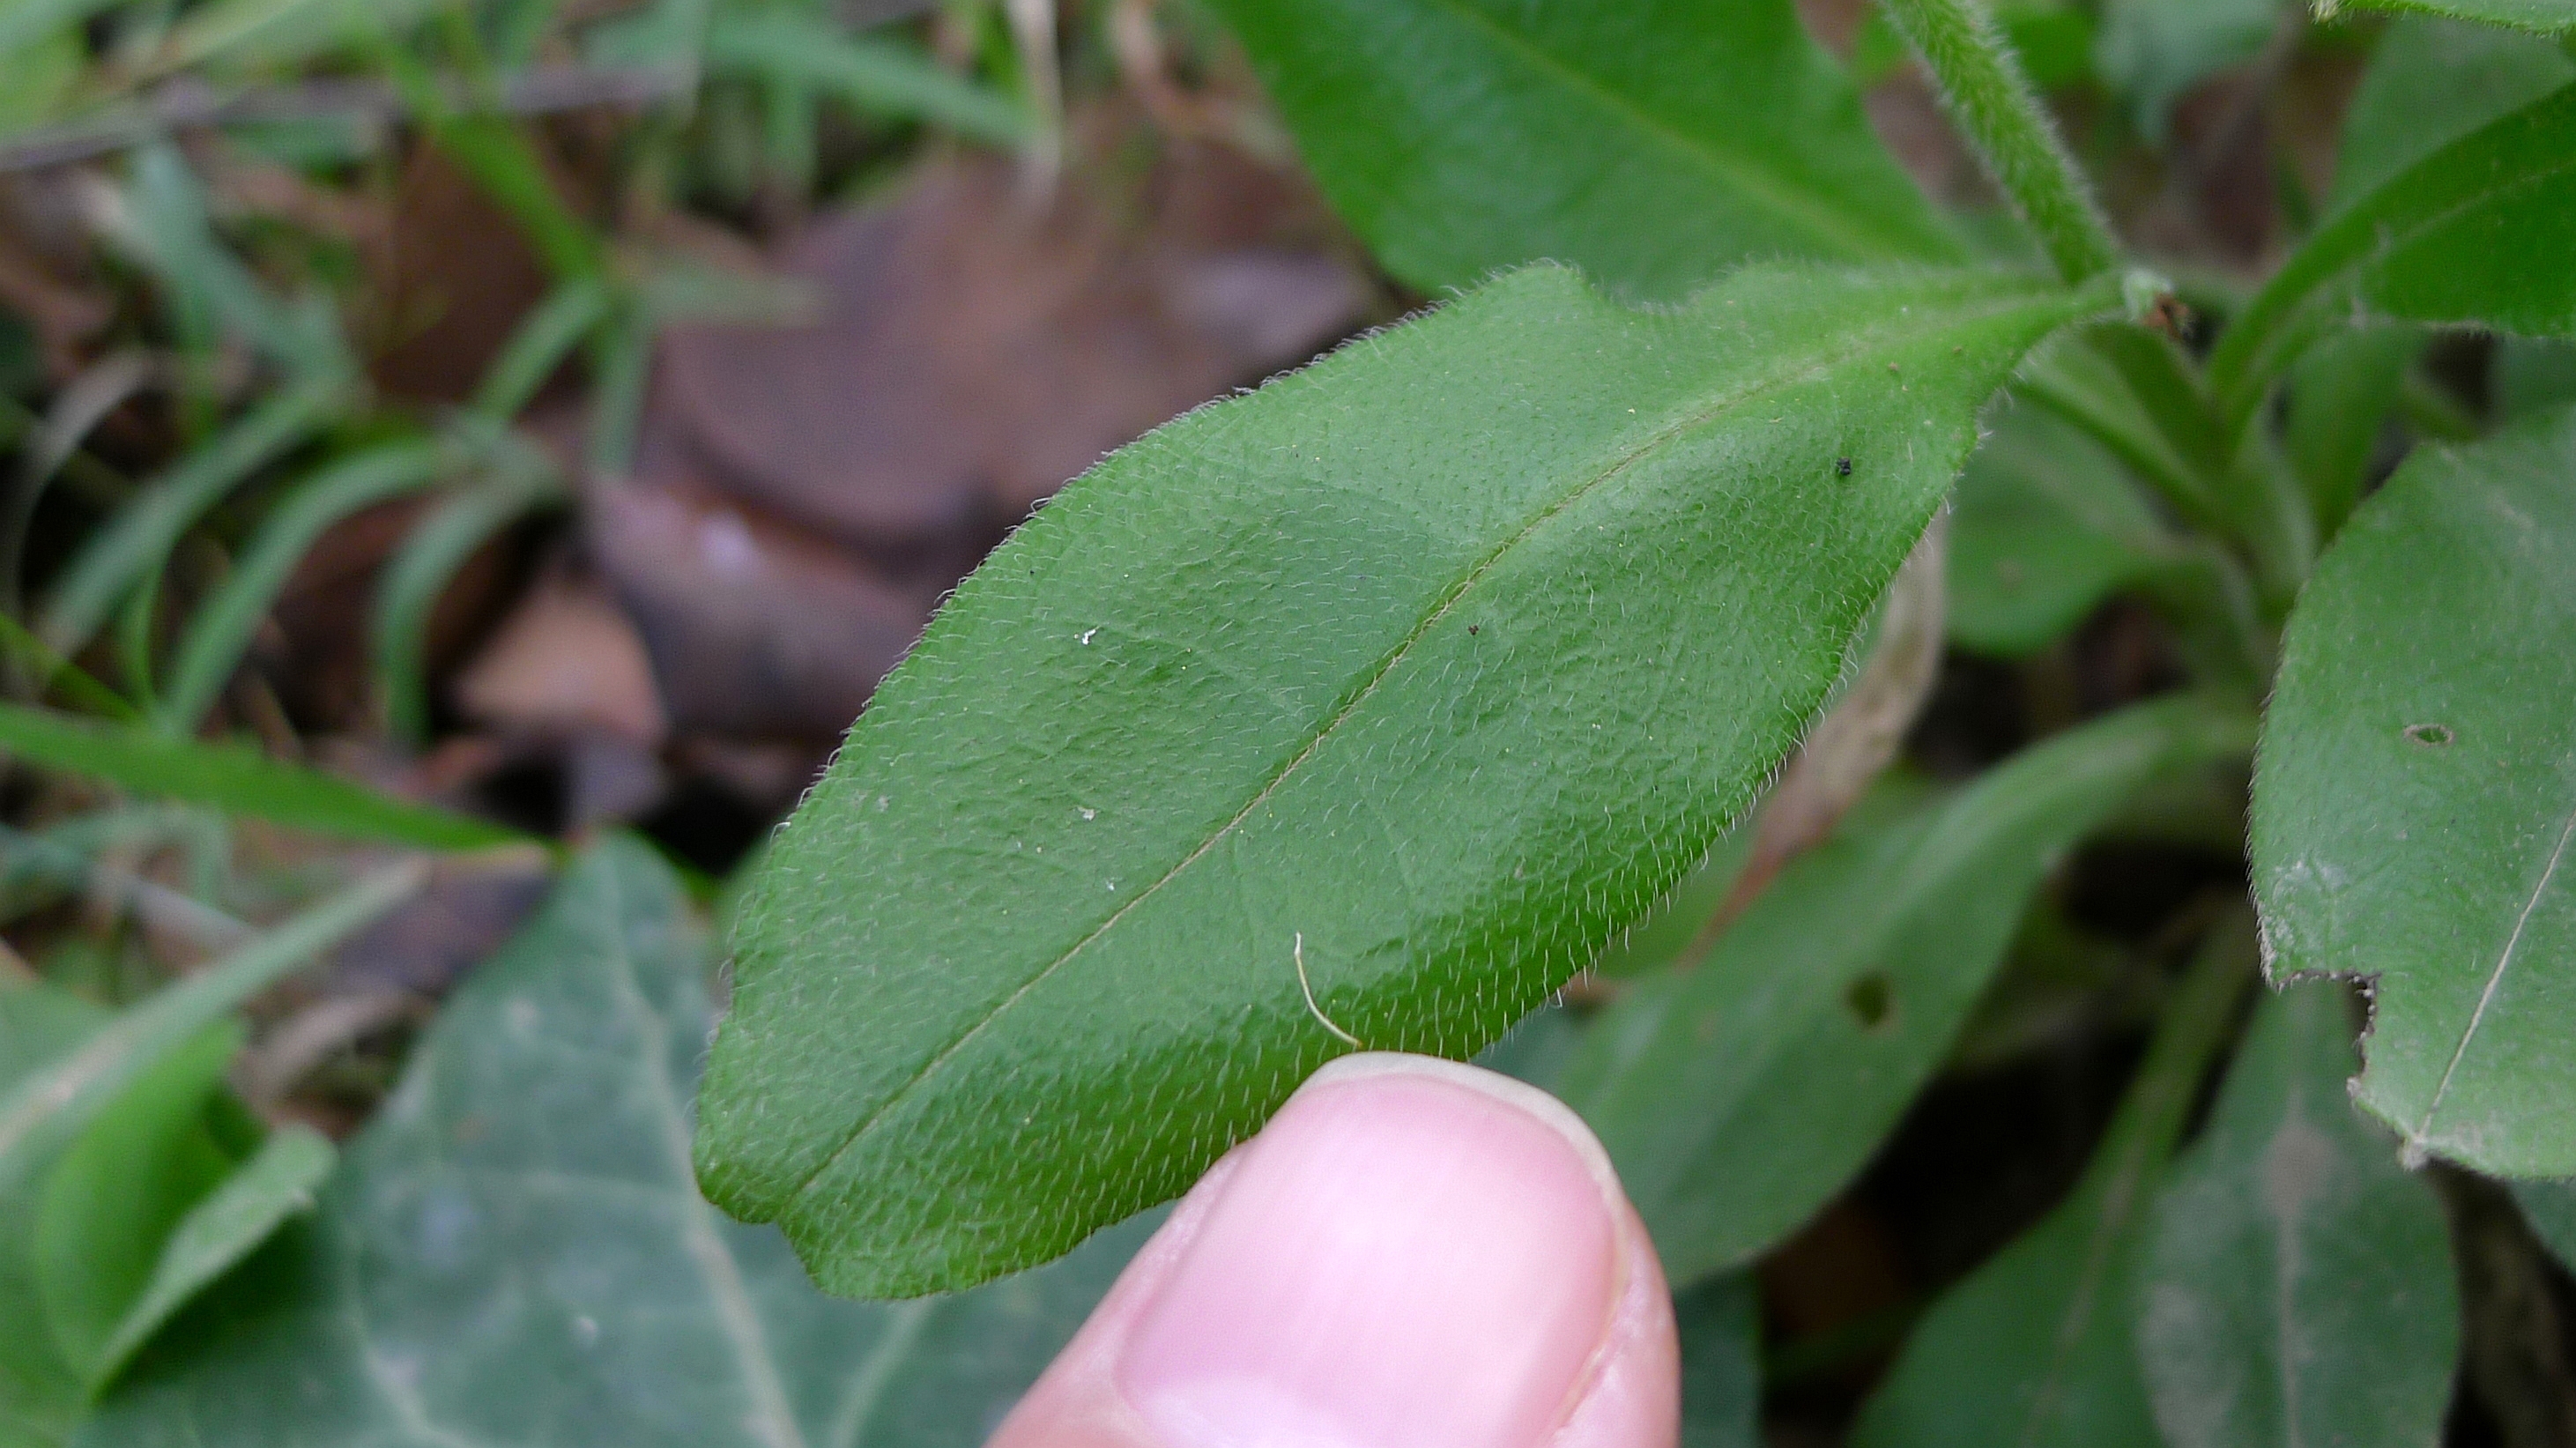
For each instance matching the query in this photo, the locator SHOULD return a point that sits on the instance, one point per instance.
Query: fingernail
(1411, 1255)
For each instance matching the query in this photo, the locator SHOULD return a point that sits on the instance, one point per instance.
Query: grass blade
(237, 780)
(540, 345)
(873, 76)
(220, 633)
(131, 547)
(45, 1111)
(420, 572)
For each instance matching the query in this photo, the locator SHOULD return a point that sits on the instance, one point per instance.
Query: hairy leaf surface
(1652, 144)
(2298, 1288)
(2548, 17)
(1363, 709)
(513, 1251)
(1737, 1096)
(2415, 797)
(2468, 235)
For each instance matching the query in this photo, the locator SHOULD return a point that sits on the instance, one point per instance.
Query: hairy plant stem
(1982, 84)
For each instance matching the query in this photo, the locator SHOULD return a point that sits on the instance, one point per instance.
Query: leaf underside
(1404, 682)
(2415, 796)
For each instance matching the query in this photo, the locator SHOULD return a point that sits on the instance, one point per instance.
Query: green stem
(1984, 88)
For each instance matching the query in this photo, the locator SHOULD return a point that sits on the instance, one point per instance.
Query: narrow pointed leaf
(1736, 1097)
(1653, 145)
(2413, 806)
(2430, 82)
(44, 1111)
(2036, 1347)
(39, 1393)
(2459, 237)
(242, 1212)
(2298, 1288)
(1365, 708)
(104, 1208)
(513, 1251)
(235, 779)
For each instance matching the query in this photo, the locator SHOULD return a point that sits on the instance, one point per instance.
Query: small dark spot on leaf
(1872, 1002)
(1842, 467)
(1474, 627)
(2431, 736)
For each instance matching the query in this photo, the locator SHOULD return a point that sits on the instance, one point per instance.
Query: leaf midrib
(1805, 369)
(1782, 195)
(2495, 980)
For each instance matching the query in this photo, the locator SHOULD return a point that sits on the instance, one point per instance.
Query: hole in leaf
(1872, 1002)
(2431, 736)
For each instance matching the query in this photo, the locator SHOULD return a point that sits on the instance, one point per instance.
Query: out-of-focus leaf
(2339, 395)
(2451, 239)
(225, 1226)
(2037, 1347)
(2151, 51)
(2531, 376)
(35, 79)
(1720, 1322)
(46, 1110)
(2412, 803)
(1737, 1096)
(513, 1251)
(2550, 1207)
(1434, 628)
(39, 1395)
(2546, 17)
(2298, 1287)
(161, 220)
(2430, 82)
(220, 630)
(874, 76)
(422, 568)
(105, 1207)
(236, 779)
(1653, 144)
(2045, 525)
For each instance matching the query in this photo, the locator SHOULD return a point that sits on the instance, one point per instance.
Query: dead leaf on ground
(973, 350)
(567, 663)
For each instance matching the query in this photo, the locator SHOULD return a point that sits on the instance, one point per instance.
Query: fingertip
(1413, 1254)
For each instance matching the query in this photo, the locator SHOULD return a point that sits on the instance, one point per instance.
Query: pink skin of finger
(1413, 1254)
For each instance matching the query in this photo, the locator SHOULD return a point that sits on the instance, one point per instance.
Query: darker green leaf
(2298, 1288)
(1738, 1095)
(2046, 526)
(2547, 17)
(2550, 1207)
(1654, 144)
(2036, 1347)
(1405, 682)
(513, 1251)
(2458, 237)
(2432, 81)
(2412, 808)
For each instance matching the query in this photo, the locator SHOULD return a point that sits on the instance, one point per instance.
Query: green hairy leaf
(2430, 82)
(513, 1252)
(2547, 17)
(237, 779)
(2454, 238)
(1737, 1096)
(2412, 809)
(2298, 1288)
(1364, 709)
(1652, 144)
(2036, 1347)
